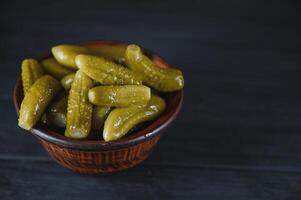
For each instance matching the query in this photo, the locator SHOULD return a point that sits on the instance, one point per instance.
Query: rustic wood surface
(238, 135)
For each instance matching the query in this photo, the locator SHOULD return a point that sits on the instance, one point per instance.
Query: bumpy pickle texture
(106, 72)
(36, 101)
(165, 80)
(119, 96)
(121, 120)
(31, 71)
(79, 109)
(109, 89)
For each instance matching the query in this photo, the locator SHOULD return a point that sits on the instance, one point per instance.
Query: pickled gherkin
(66, 81)
(57, 111)
(165, 80)
(119, 96)
(31, 71)
(79, 109)
(99, 116)
(121, 120)
(112, 52)
(106, 72)
(108, 88)
(65, 54)
(36, 101)
(55, 69)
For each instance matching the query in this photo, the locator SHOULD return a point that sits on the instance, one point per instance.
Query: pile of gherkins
(103, 89)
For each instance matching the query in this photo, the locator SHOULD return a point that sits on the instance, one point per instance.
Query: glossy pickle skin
(106, 72)
(99, 116)
(79, 109)
(55, 69)
(66, 81)
(111, 52)
(36, 101)
(119, 96)
(165, 80)
(66, 53)
(31, 71)
(121, 120)
(56, 114)
(116, 108)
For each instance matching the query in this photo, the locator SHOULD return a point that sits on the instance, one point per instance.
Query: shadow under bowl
(100, 157)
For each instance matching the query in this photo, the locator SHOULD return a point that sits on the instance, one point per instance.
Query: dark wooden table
(238, 135)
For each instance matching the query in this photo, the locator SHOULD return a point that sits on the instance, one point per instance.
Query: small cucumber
(36, 100)
(55, 69)
(121, 120)
(106, 72)
(79, 109)
(119, 96)
(165, 80)
(31, 71)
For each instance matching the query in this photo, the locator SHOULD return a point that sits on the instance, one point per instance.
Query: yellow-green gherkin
(112, 52)
(106, 72)
(31, 71)
(55, 69)
(36, 100)
(119, 96)
(79, 109)
(66, 53)
(165, 80)
(121, 120)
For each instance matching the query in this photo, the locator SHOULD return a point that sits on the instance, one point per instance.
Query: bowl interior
(173, 105)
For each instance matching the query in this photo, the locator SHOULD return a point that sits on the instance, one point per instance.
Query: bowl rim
(151, 130)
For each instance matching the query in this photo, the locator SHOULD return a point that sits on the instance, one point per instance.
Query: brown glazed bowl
(92, 156)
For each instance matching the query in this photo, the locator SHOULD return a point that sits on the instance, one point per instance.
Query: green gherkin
(105, 71)
(31, 71)
(65, 54)
(121, 120)
(55, 69)
(165, 80)
(36, 101)
(119, 96)
(112, 52)
(79, 109)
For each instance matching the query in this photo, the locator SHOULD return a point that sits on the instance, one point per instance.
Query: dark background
(238, 135)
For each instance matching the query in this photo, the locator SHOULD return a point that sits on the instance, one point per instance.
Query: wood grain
(147, 181)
